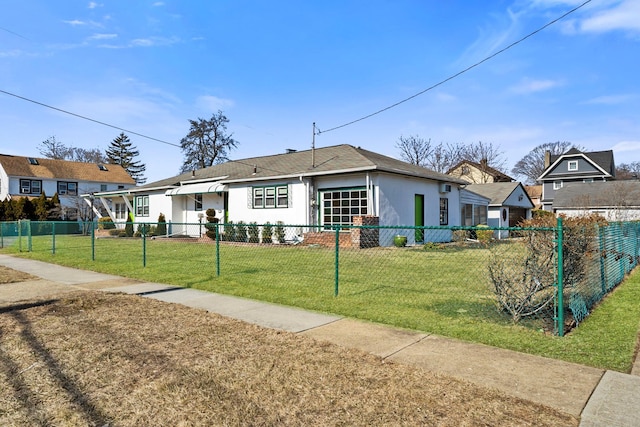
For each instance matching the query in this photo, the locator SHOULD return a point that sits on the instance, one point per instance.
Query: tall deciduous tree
(628, 171)
(122, 152)
(207, 142)
(415, 150)
(532, 165)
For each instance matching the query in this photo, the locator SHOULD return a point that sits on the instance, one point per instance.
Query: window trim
(557, 184)
(444, 211)
(270, 197)
(30, 183)
(572, 163)
(142, 206)
(66, 191)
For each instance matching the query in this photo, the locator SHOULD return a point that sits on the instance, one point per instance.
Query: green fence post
(560, 316)
(19, 222)
(144, 245)
(337, 262)
(30, 237)
(218, 249)
(53, 237)
(93, 243)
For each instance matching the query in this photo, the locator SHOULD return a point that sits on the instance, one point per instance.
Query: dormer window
(102, 167)
(33, 161)
(573, 165)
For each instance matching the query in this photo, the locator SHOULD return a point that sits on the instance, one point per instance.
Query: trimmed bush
(254, 233)
(267, 233)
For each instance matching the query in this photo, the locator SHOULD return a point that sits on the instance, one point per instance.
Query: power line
(89, 119)
(460, 72)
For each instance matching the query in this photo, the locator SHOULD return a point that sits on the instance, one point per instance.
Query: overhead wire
(89, 118)
(548, 24)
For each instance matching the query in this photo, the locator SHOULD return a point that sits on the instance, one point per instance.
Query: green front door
(419, 217)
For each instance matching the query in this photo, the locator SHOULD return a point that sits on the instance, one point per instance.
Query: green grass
(445, 292)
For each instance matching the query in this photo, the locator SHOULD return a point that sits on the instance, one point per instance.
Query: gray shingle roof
(604, 159)
(328, 160)
(497, 192)
(598, 195)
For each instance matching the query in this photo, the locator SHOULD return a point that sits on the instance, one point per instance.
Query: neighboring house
(535, 194)
(615, 201)
(574, 167)
(325, 187)
(509, 205)
(478, 173)
(30, 177)
(473, 208)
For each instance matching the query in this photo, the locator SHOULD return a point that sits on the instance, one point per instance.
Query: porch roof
(199, 188)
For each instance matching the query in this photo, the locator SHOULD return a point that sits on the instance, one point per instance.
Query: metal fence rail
(455, 281)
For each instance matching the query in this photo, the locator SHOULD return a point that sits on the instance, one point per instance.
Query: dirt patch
(91, 358)
(8, 275)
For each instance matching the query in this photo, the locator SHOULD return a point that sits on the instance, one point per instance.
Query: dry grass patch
(92, 358)
(8, 275)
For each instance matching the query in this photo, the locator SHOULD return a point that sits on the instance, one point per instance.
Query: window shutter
(289, 196)
(249, 198)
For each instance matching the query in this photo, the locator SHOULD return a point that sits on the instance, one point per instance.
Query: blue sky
(276, 67)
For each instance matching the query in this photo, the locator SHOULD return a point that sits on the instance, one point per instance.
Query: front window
(444, 211)
(142, 205)
(557, 185)
(30, 186)
(121, 211)
(271, 197)
(573, 165)
(198, 202)
(67, 188)
(341, 205)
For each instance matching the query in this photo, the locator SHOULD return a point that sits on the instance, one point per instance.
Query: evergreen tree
(41, 210)
(122, 152)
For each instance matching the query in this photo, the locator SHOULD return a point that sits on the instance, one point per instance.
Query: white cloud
(627, 146)
(213, 103)
(75, 23)
(94, 5)
(610, 99)
(103, 37)
(624, 16)
(532, 86)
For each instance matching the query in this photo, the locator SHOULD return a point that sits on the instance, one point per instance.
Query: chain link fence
(452, 281)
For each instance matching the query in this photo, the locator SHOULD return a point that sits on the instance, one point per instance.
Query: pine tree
(122, 152)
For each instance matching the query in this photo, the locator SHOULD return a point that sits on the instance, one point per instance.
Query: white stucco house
(324, 187)
(30, 177)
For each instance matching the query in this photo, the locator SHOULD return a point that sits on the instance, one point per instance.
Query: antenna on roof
(313, 147)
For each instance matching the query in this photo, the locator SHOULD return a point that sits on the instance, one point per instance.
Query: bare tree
(532, 165)
(628, 171)
(485, 154)
(415, 150)
(51, 148)
(207, 142)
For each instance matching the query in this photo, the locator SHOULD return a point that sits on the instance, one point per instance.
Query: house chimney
(547, 159)
(483, 162)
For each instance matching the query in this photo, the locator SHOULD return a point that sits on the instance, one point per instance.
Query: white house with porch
(324, 187)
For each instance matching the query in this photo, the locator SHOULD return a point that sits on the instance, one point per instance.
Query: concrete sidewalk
(600, 398)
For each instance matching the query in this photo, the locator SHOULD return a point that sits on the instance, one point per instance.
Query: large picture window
(142, 205)
(271, 197)
(339, 206)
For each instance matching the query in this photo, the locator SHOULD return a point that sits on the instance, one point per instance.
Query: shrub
(229, 232)
(128, 228)
(161, 229)
(212, 223)
(241, 232)
(105, 223)
(254, 233)
(527, 288)
(114, 232)
(280, 233)
(483, 234)
(267, 233)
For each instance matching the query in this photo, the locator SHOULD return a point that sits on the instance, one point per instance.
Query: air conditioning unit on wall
(445, 188)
